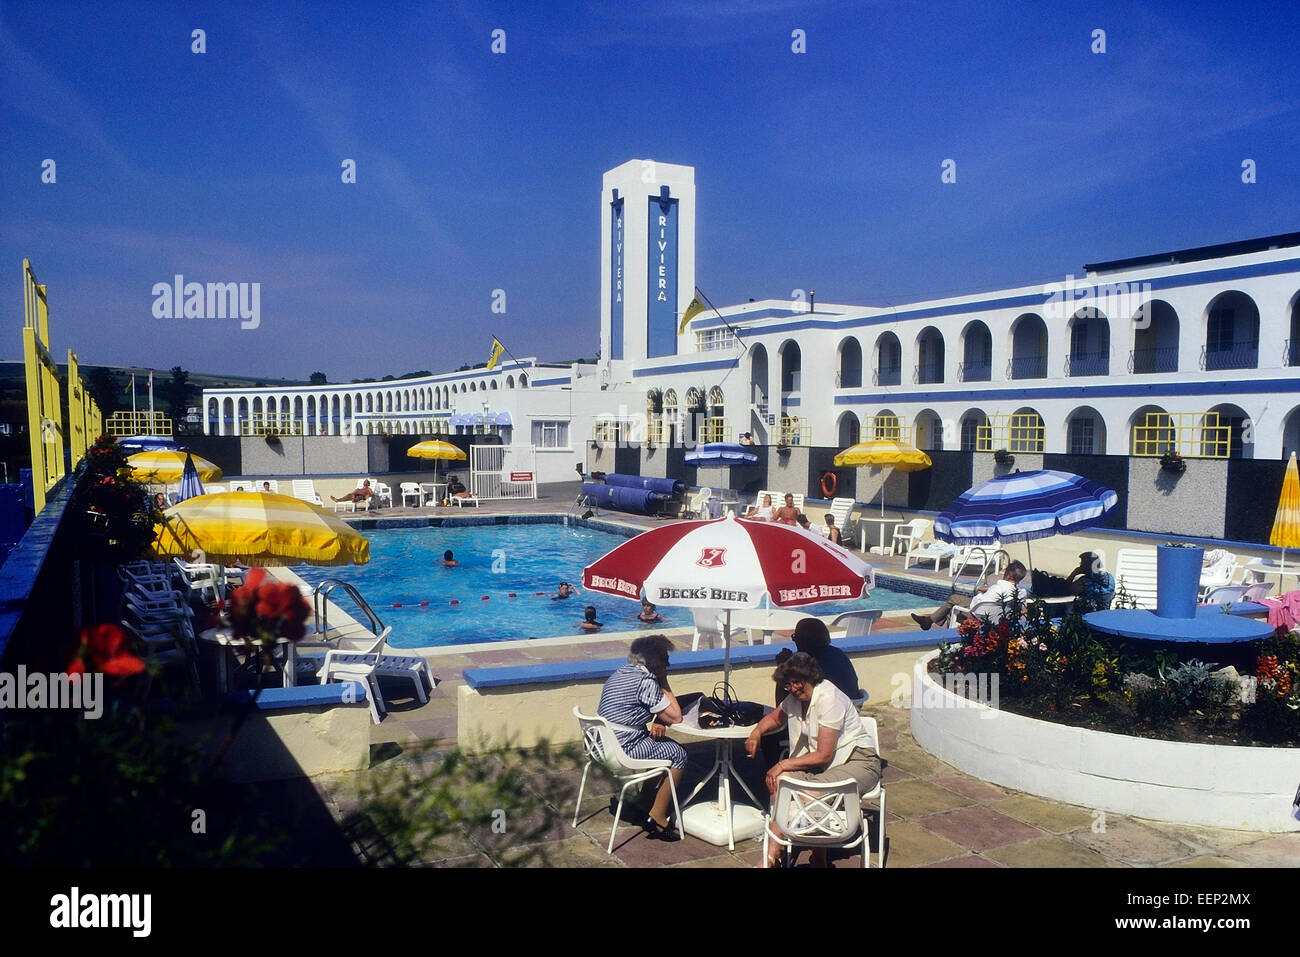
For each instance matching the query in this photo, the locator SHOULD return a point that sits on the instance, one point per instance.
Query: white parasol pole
(726, 649)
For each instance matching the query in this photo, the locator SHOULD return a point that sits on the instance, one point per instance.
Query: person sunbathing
(787, 514)
(763, 513)
(356, 495)
(456, 489)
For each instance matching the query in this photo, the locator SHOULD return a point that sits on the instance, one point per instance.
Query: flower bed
(1118, 725)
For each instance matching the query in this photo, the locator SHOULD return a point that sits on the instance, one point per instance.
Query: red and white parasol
(729, 563)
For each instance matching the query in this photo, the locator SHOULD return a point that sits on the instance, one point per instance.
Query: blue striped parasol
(718, 455)
(1023, 506)
(191, 487)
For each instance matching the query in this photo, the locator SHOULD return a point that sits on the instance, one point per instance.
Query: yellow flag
(694, 309)
(495, 356)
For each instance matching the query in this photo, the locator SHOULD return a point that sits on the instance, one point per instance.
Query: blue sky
(478, 171)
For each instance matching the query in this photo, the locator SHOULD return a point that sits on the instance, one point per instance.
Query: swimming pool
(493, 594)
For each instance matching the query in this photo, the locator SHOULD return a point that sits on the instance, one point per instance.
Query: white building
(1197, 349)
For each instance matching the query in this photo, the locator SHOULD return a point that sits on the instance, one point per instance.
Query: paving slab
(1212, 840)
(574, 852)
(917, 798)
(1279, 850)
(1133, 843)
(1207, 861)
(918, 762)
(1054, 818)
(973, 788)
(979, 828)
(1047, 852)
(720, 860)
(966, 860)
(907, 844)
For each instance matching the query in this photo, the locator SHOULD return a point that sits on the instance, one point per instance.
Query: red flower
(106, 649)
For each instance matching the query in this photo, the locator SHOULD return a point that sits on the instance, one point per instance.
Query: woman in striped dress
(637, 695)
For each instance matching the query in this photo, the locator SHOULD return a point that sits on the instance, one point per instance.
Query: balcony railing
(888, 375)
(1150, 360)
(1027, 367)
(714, 429)
(793, 430)
(1191, 434)
(1088, 363)
(139, 423)
(1238, 355)
(927, 373)
(975, 371)
(271, 423)
(1291, 352)
(849, 380)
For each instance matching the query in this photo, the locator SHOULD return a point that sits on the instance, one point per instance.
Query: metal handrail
(320, 605)
(987, 561)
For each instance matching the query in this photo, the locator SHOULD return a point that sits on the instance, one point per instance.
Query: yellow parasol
(258, 528)
(884, 453)
(1286, 524)
(168, 465)
(436, 450)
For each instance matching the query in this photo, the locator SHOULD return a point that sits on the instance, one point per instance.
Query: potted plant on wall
(1003, 457)
(1172, 461)
(783, 448)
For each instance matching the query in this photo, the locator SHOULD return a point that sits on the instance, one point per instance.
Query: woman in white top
(827, 739)
(764, 513)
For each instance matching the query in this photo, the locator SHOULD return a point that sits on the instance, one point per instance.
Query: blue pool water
(496, 560)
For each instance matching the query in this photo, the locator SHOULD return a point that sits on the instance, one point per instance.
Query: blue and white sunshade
(191, 487)
(717, 455)
(1024, 506)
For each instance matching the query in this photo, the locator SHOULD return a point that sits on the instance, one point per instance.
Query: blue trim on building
(1129, 390)
(688, 367)
(1036, 300)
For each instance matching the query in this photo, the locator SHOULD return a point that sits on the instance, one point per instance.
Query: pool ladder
(321, 606)
(999, 558)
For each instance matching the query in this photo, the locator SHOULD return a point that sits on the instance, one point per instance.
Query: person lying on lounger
(764, 512)
(356, 495)
(455, 489)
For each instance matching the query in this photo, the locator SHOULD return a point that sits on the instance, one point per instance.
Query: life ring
(830, 482)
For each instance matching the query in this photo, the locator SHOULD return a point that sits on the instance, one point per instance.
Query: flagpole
(510, 354)
(133, 412)
(729, 326)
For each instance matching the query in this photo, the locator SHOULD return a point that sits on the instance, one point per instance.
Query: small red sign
(712, 557)
(521, 476)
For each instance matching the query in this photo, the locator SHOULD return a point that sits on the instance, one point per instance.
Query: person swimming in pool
(648, 613)
(449, 560)
(589, 622)
(564, 591)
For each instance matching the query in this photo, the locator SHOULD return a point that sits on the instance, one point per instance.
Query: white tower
(647, 255)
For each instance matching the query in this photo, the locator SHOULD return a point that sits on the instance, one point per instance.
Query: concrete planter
(1224, 786)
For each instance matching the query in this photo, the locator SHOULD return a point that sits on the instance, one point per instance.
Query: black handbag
(723, 710)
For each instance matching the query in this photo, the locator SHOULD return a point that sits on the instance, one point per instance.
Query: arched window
(1028, 348)
(1155, 339)
(889, 360)
(1231, 333)
(972, 421)
(850, 374)
(1089, 344)
(1085, 432)
(850, 430)
(929, 357)
(977, 353)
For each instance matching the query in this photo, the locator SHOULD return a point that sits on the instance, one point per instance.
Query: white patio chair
(1135, 571)
(383, 493)
(1224, 594)
(305, 489)
(908, 537)
(1256, 591)
(164, 653)
(1216, 570)
(373, 664)
(697, 504)
(463, 501)
(602, 747)
(877, 794)
(708, 624)
(841, 509)
(212, 488)
(857, 624)
(926, 552)
(816, 814)
(412, 490)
